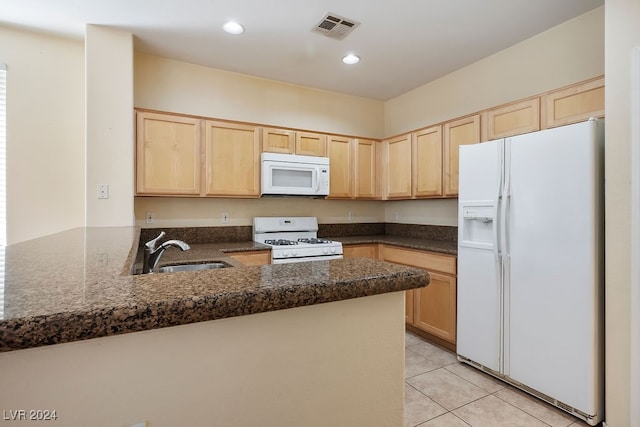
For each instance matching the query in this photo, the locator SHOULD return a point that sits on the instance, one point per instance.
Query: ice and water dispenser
(477, 220)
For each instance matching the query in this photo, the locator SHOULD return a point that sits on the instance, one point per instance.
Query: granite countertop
(440, 246)
(77, 285)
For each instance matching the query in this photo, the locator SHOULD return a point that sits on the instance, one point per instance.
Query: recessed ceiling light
(233, 27)
(351, 59)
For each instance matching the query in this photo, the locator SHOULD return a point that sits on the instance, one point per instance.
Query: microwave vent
(335, 26)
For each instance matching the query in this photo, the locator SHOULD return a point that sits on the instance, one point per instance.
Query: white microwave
(293, 175)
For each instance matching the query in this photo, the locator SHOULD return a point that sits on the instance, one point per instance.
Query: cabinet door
(427, 162)
(574, 104)
(365, 169)
(167, 154)
(398, 179)
(435, 307)
(278, 140)
(513, 119)
(360, 251)
(340, 152)
(459, 132)
(311, 144)
(232, 160)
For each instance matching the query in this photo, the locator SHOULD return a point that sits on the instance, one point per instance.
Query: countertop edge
(59, 328)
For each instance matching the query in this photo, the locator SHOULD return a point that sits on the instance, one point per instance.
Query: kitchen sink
(192, 267)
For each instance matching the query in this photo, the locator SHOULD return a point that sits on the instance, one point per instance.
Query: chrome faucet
(153, 252)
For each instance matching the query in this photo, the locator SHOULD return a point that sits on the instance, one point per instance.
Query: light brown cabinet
(252, 257)
(187, 156)
(397, 159)
(427, 163)
(167, 154)
(340, 153)
(311, 144)
(460, 132)
(278, 140)
(431, 309)
(574, 104)
(513, 119)
(364, 169)
(232, 160)
(360, 251)
(293, 142)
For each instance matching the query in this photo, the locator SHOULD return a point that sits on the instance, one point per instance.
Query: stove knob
(285, 253)
(325, 251)
(294, 253)
(333, 250)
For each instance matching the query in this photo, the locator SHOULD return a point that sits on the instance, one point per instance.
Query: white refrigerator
(530, 264)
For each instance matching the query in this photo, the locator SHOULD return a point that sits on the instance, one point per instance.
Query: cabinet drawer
(427, 260)
(360, 251)
(252, 257)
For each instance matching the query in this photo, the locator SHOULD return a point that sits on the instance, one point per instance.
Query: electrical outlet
(103, 191)
(225, 217)
(149, 217)
(395, 216)
(350, 216)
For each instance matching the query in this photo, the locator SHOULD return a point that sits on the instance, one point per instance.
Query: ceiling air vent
(335, 26)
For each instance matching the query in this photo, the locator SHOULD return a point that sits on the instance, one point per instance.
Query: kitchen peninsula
(290, 344)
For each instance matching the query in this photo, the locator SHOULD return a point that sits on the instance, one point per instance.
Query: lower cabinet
(367, 250)
(431, 309)
(252, 257)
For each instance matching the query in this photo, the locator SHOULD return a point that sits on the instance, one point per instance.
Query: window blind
(3, 179)
(3, 157)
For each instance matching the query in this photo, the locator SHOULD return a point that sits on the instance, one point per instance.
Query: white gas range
(294, 239)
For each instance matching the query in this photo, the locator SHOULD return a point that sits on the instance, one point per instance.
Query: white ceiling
(403, 44)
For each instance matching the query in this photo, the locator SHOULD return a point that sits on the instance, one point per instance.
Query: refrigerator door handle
(496, 234)
(506, 199)
(497, 247)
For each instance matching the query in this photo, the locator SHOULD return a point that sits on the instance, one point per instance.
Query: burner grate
(280, 242)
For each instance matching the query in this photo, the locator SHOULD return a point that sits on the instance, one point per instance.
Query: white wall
(45, 133)
(110, 128)
(192, 212)
(566, 54)
(170, 85)
(622, 34)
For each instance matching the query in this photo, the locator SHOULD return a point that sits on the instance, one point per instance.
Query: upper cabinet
(167, 154)
(457, 133)
(397, 158)
(340, 153)
(513, 119)
(427, 162)
(311, 144)
(278, 140)
(574, 104)
(177, 155)
(353, 164)
(185, 156)
(294, 142)
(232, 160)
(364, 169)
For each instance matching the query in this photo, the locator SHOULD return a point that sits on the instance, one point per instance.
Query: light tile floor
(442, 392)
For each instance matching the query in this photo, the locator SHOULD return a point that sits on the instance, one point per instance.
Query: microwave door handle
(316, 175)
